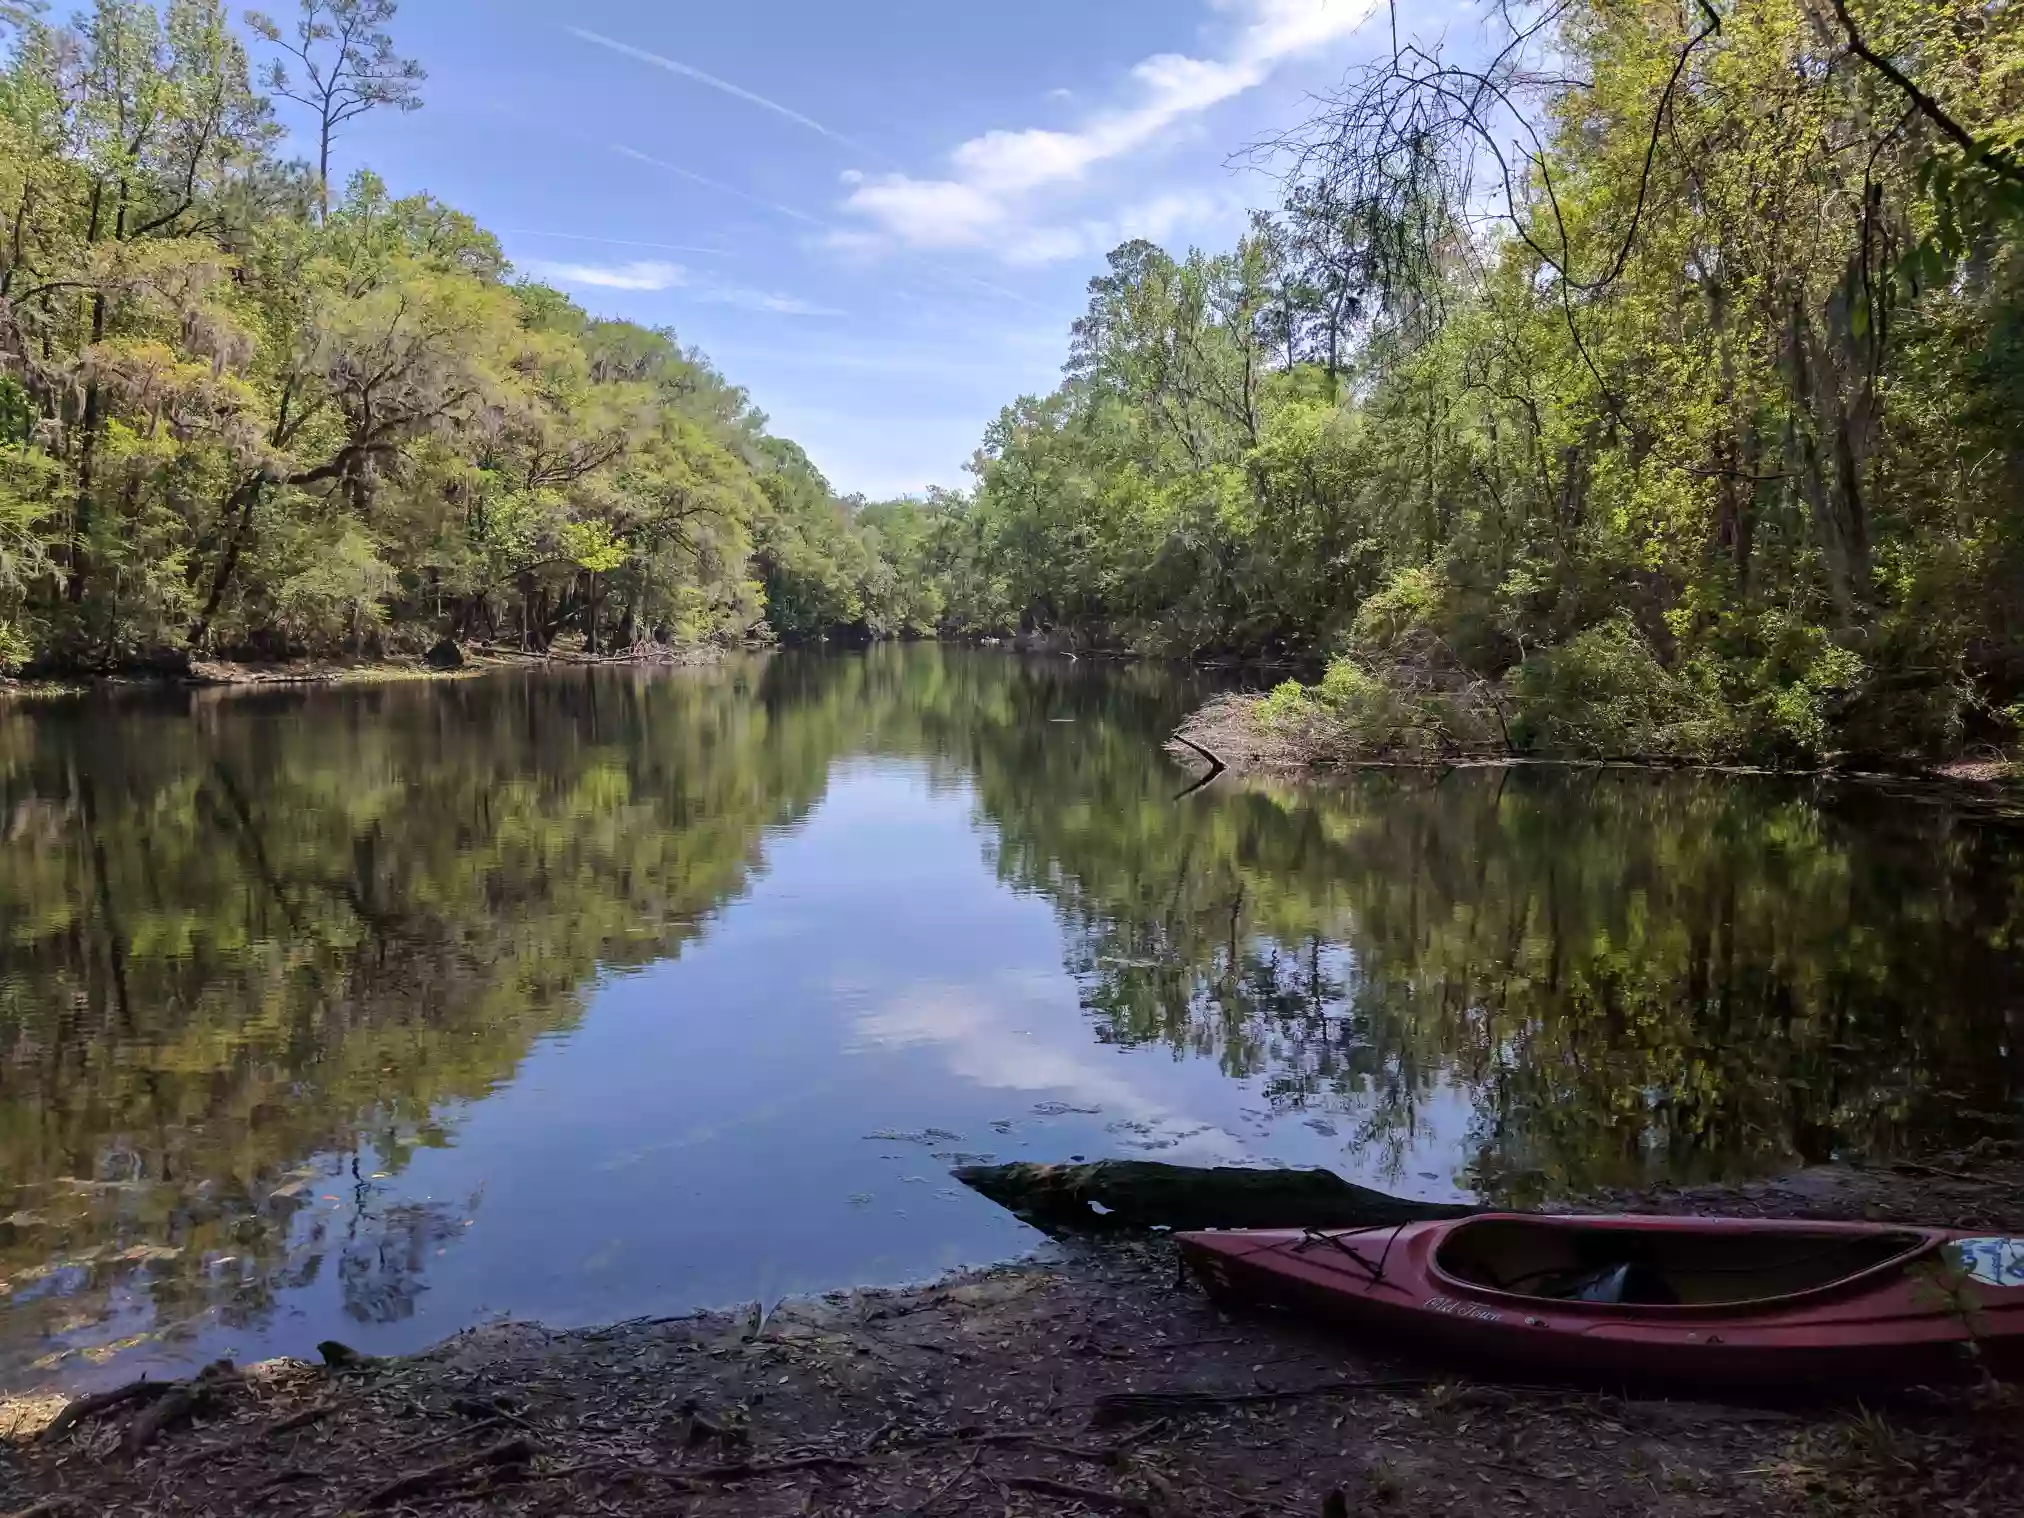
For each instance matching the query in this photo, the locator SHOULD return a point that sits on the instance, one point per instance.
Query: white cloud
(642, 275)
(763, 300)
(983, 201)
(1157, 218)
(930, 213)
(651, 277)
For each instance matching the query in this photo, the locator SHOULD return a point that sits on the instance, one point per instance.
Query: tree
(1646, 379)
(347, 67)
(236, 417)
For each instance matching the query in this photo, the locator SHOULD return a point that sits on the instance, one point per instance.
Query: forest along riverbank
(1095, 1384)
(447, 660)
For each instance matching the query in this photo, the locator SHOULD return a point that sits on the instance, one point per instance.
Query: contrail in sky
(614, 242)
(715, 184)
(689, 72)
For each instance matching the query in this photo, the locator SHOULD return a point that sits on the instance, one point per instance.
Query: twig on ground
(749, 1470)
(1088, 1496)
(941, 1488)
(1089, 1454)
(514, 1451)
(416, 1446)
(1144, 1435)
(288, 1475)
(1913, 1167)
(302, 1419)
(1122, 1407)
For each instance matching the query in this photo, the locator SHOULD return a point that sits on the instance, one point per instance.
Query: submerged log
(1147, 1194)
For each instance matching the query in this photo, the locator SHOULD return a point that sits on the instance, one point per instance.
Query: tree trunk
(246, 497)
(87, 450)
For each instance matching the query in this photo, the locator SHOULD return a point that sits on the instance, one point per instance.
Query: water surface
(371, 1013)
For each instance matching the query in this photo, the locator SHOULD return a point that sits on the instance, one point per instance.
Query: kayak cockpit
(1567, 1260)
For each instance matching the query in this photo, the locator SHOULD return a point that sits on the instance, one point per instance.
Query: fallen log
(183, 1402)
(97, 1402)
(1148, 1194)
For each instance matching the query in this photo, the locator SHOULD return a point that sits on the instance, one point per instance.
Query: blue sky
(878, 217)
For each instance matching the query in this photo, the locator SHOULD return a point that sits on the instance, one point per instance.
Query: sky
(879, 218)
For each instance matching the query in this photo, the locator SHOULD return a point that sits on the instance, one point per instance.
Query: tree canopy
(1645, 380)
(244, 409)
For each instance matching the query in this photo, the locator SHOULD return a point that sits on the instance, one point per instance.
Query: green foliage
(241, 412)
(337, 596)
(1605, 694)
(1708, 445)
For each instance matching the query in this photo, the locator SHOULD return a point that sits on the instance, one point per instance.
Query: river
(373, 1012)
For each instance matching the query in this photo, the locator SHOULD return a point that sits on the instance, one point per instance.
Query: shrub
(1604, 694)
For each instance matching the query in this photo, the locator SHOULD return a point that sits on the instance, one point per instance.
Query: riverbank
(1091, 1384)
(1240, 730)
(460, 662)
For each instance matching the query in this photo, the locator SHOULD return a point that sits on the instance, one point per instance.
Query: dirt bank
(1230, 727)
(1089, 1386)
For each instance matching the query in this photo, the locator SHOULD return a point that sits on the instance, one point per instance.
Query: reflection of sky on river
(707, 1135)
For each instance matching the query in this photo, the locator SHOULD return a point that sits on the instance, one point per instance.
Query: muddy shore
(1094, 1384)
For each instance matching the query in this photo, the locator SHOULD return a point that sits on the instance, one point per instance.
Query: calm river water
(375, 1012)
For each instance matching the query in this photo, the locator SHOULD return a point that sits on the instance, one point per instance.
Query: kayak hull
(1927, 1305)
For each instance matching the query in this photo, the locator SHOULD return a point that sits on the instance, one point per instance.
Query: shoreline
(1225, 727)
(238, 674)
(1088, 1382)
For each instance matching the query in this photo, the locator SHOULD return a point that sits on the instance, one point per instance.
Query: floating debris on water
(916, 1136)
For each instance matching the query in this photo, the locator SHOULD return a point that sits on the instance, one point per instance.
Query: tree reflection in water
(260, 949)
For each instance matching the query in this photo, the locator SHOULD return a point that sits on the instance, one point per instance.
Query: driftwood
(429, 1477)
(77, 1410)
(164, 1403)
(1147, 1194)
(1216, 765)
(182, 1403)
(179, 1406)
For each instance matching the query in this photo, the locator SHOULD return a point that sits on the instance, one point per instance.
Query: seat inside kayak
(1562, 1261)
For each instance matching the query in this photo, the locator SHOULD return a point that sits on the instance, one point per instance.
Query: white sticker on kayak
(1456, 1309)
(1999, 1262)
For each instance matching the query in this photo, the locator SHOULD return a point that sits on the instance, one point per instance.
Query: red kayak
(1702, 1300)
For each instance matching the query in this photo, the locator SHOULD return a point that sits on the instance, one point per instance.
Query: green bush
(1409, 708)
(1604, 694)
